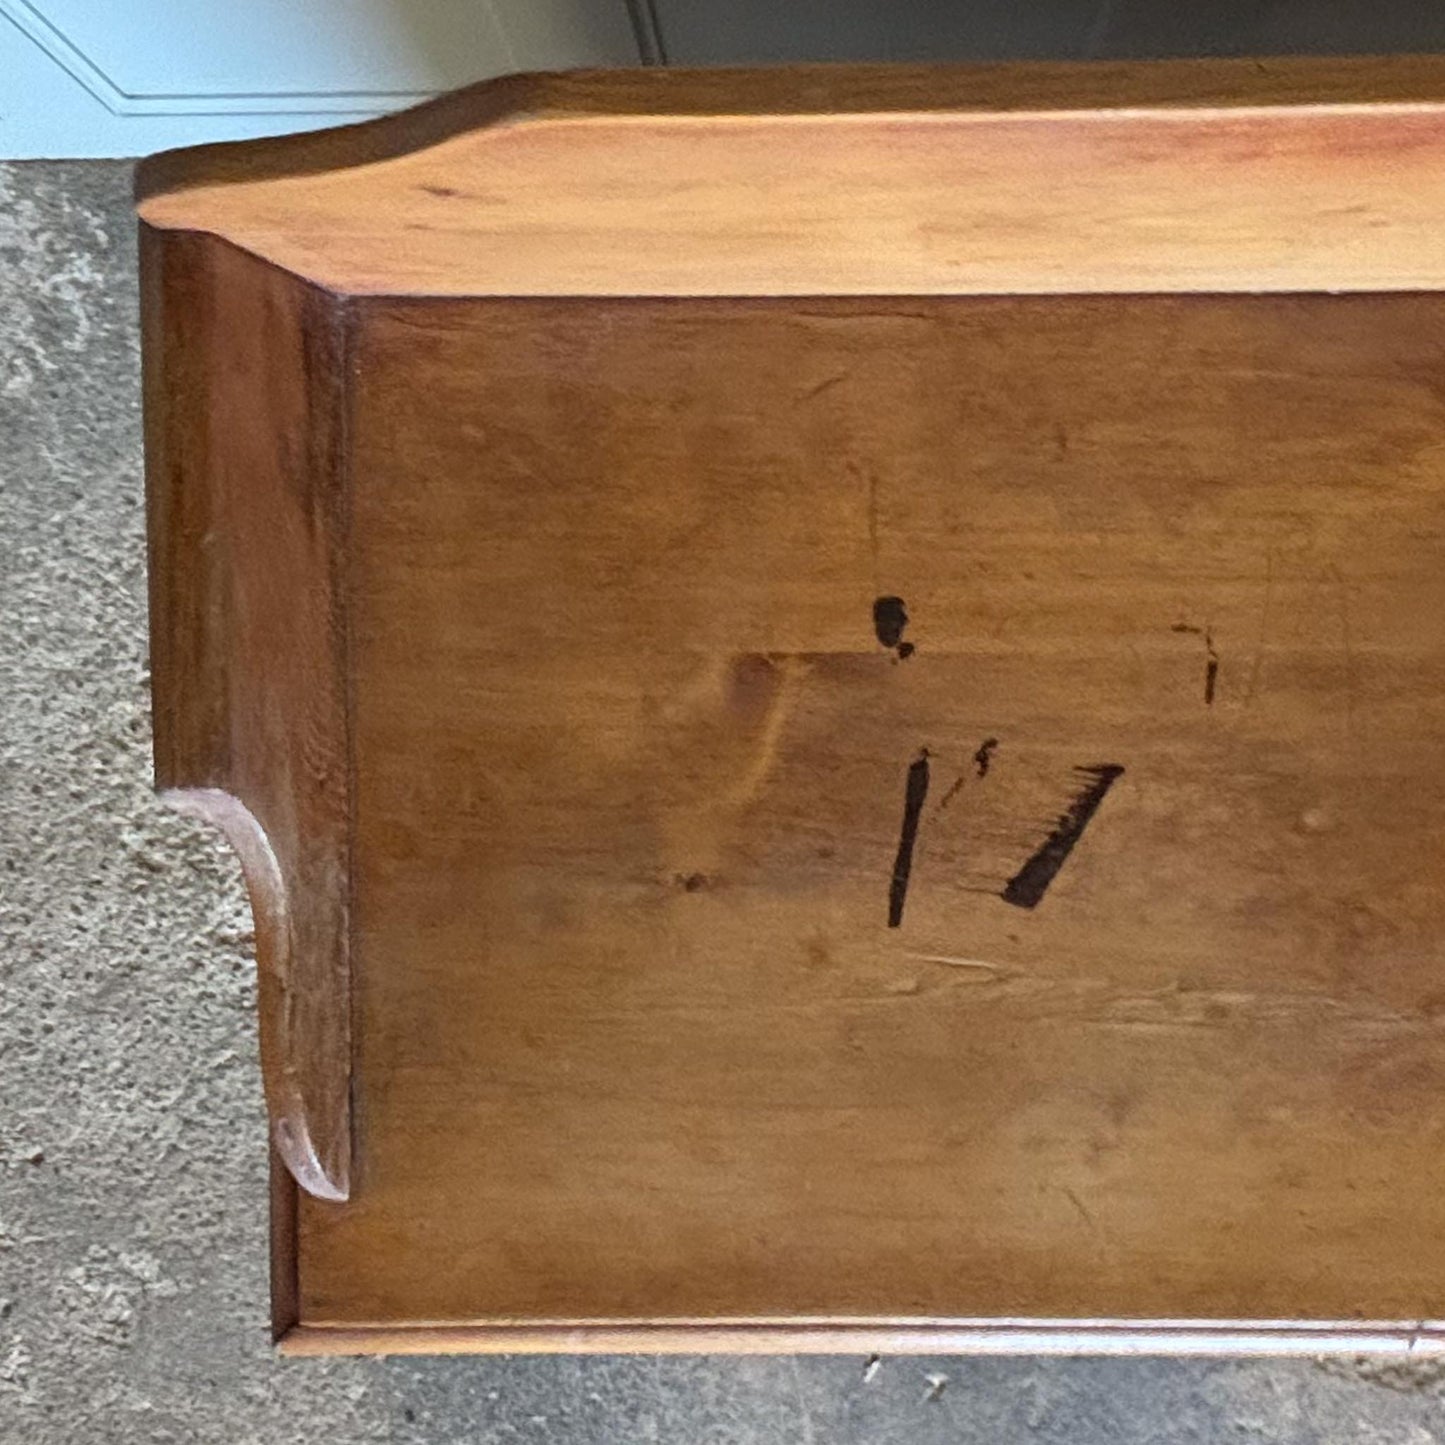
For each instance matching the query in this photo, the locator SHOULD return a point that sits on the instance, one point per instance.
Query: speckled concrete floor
(132, 1189)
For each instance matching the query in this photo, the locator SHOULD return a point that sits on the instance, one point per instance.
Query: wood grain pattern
(635, 1038)
(1172, 176)
(244, 414)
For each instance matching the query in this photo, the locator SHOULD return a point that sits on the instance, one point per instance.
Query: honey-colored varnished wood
(827, 821)
(1169, 176)
(244, 471)
(643, 1031)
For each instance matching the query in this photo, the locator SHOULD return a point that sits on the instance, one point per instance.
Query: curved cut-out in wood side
(314, 1148)
(1195, 175)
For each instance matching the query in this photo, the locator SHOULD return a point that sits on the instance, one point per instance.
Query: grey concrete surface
(132, 1147)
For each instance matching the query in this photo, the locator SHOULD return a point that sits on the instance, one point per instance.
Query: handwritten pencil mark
(1028, 886)
(915, 794)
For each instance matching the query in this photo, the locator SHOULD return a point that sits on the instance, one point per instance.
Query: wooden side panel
(244, 435)
(896, 810)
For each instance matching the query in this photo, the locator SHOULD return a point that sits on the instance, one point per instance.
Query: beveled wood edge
(881, 1337)
(1017, 87)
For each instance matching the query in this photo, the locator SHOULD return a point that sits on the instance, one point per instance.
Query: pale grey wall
(124, 77)
(715, 32)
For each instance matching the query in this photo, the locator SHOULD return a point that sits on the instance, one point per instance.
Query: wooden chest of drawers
(831, 686)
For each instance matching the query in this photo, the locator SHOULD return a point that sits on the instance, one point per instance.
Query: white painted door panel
(123, 77)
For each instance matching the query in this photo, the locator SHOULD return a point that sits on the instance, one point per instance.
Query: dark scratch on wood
(915, 793)
(952, 792)
(1028, 886)
(1078, 1205)
(810, 393)
(1211, 657)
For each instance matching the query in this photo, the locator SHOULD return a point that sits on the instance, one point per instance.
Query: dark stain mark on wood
(442, 191)
(983, 758)
(982, 761)
(1211, 657)
(1028, 886)
(691, 882)
(890, 617)
(915, 794)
